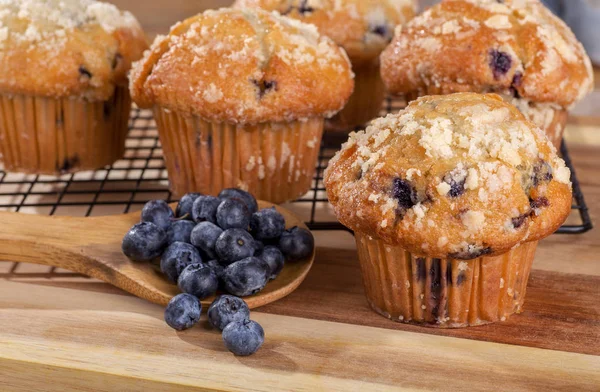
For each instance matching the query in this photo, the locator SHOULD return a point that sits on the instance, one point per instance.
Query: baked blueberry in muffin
(517, 49)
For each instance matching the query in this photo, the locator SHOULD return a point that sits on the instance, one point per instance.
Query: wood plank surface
(62, 332)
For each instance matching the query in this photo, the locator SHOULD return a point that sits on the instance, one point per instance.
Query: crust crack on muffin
(456, 176)
(517, 49)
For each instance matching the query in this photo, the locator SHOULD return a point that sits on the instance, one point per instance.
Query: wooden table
(61, 332)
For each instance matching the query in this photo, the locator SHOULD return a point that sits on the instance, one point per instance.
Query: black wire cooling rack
(141, 176)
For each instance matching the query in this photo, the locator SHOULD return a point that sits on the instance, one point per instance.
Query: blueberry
(176, 257)
(246, 277)
(227, 309)
(404, 193)
(542, 172)
(204, 236)
(240, 194)
(258, 247)
(205, 209)
(472, 253)
(264, 86)
(144, 242)
(180, 231)
(184, 207)
(267, 224)
(183, 312)
(274, 258)
(233, 245)
(159, 213)
(456, 179)
(519, 220)
(216, 267)
(539, 203)
(296, 243)
(198, 280)
(243, 337)
(233, 214)
(499, 62)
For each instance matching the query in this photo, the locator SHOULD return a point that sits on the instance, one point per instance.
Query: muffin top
(515, 47)
(452, 176)
(61, 48)
(362, 27)
(244, 66)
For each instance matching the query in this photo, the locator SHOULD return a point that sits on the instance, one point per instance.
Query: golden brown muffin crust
(61, 48)
(362, 27)
(453, 176)
(515, 47)
(244, 66)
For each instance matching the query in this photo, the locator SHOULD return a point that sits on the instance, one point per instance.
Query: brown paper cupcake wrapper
(556, 128)
(43, 135)
(273, 161)
(443, 292)
(365, 103)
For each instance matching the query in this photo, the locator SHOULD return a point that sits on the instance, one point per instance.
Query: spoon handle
(56, 241)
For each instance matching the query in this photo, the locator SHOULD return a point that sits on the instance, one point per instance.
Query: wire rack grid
(141, 176)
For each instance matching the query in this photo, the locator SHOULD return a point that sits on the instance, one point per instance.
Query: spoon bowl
(92, 246)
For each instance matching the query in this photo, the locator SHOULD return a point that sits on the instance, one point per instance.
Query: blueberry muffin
(448, 200)
(517, 49)
(240, 97)
(363, 28)
(63, 83)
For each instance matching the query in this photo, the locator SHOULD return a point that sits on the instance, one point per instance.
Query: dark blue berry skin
(180, 231)
(404, 192)
(227, 309)
(159, 213)
(246, 277)
(184, 207)
(216, 266)
(205, 209)
(267, 224)
(240, 194)
(204, 237)
(183, 312)
(233, 214)
(176, 257)
(274, 258)
(296, 243)
(144, 242)
(258, 247)
(198, 280)
(500, 63)
(243, 338)
(233, 245)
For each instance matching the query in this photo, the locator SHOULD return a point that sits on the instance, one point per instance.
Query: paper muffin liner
(41, 135)
(273, 161)
(443, 293)
(555, 128)
(364, 103)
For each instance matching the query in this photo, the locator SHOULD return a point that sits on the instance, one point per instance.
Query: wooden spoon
(92, 246)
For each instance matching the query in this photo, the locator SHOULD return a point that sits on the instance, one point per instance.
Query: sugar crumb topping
(47, 22)
(448, 159)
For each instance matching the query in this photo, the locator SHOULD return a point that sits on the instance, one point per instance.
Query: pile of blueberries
(212, 243)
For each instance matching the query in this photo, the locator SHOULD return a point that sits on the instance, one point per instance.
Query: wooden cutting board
(59, 331)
